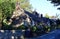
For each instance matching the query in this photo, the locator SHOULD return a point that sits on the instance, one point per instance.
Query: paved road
(7, 34)
(52, 35)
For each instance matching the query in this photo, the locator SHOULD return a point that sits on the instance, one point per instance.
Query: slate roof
(36, 18)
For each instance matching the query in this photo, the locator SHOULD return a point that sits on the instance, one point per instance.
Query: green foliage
(46, 15)
(5, 25)
(58, 27)
(34, 28)
(55, 2)
(47, 29)
(24, 4)
(7, 8)
(0, 15)
(21, 27)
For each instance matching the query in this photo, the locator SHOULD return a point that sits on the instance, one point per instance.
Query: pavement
(52, 35)
(7, 34)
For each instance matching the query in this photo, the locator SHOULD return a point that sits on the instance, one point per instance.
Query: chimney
(41, 15)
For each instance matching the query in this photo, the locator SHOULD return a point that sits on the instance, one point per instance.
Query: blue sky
(44, 6)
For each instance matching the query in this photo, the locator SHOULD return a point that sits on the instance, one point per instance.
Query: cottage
(23, 17)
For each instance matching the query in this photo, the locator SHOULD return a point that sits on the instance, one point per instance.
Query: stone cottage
(23, 17)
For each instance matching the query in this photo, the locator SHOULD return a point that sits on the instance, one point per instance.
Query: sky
(43, 7)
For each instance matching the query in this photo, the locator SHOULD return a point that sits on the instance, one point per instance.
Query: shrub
(21, 27)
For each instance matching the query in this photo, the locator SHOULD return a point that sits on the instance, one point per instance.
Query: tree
(0, 18)
(25, 4)
(0, 14)
(46, 15)
(55, 2)
(7, 8)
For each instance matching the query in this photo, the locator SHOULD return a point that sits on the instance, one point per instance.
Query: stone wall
(11, 34)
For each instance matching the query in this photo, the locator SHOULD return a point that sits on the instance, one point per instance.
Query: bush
(6, 25)
(34, 28)
(21, 27)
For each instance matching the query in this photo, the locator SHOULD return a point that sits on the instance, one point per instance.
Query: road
(7, 34)
(52, 35)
